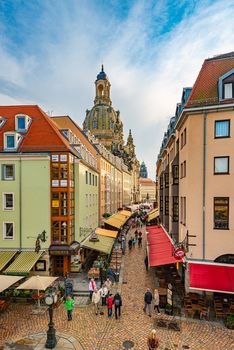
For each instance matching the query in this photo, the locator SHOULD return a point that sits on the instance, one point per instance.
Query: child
(109, 305)
(69, 306)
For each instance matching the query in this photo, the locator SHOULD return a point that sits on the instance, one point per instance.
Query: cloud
(150, 50)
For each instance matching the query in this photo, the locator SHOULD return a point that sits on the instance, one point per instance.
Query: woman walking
(153, 341)
(109, 305)
(156, 301)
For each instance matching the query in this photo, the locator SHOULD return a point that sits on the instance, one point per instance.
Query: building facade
(147, 190)
(196, 157)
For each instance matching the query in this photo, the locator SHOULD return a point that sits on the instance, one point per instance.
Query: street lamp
(50, 300)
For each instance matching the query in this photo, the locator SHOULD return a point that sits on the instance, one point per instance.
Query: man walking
(96, 297)
(148, 301)
(69, 306)
(118, 303)
(146, 261)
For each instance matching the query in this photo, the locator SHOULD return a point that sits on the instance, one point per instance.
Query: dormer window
(225, 86)
(11, 141)
(2, 121)
(22, 122)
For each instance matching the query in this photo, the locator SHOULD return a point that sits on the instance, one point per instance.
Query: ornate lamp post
(50, 300)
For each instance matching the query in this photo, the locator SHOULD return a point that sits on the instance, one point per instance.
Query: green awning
(104, 244)
(5, 257)
(23, 264)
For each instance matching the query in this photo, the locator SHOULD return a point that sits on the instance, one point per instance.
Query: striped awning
(23, 264)
(5, 257)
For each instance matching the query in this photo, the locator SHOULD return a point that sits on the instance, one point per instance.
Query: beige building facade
(195, 174)
(147, 188)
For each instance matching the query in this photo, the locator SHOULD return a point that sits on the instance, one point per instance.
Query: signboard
(179, 253)
(55, 157)
(63, 158)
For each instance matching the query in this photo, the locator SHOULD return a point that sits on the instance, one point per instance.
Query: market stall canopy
(23, 263)
(108, 233)
(117, 220)
(37, 282)
(125, 213)
(160, 247)
(5, 258)
(153, 215)
(101, 244)
(7, 281)
(213, 277)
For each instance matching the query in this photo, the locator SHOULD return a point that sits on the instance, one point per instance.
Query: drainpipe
(204, 188)
(20, 201)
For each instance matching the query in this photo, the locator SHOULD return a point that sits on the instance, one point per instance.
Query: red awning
(160, 247)
(212, 277)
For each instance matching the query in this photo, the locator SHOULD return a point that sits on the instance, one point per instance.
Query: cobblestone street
(99, 333)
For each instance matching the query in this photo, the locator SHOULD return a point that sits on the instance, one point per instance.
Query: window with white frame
(11, 140)
(22, 122)
(8, 171)
(221, 165)
(8, 230)
(228, 93)
(8, 201)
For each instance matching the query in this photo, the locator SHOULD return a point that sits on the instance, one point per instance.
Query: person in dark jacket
(118, 303)
(130, 244)
(146, 263)
(148, 301)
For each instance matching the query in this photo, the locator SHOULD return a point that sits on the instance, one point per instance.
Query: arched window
(94, 124)
(100, 90)
(111, 124)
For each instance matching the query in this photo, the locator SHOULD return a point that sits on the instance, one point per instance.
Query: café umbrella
(37, 283)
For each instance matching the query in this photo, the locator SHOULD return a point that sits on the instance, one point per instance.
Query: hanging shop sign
(179, 253)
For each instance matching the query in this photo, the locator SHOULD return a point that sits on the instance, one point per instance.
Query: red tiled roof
(146, 181)
(42, 135)
(205, 89)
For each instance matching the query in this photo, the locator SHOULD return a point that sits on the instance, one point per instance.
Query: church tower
(102, 120)
(143, 171)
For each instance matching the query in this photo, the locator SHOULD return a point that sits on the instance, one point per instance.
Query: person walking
(109, 305)
(136, 235)
(139, 242)
(108, 285)
(156, 301)
(96, 297)
(92, 286)
(146, 261)
(133, 242)
(153, 341)
(103, 293)
(130, 244)
(123, 244)
(118, 303)
(148, 301)
(69, 306)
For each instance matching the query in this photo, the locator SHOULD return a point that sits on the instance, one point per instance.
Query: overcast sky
(52, 50)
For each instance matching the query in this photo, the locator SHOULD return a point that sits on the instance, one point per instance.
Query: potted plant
(168, 309)
(230, 322)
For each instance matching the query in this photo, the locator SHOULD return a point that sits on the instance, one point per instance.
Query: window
(90, 200)
(175, 174)
(222, 128)
(177, 146)
(93, 180)
(10, 141)
(221, 213)
(161, 182)
(166, 178)
(183, 210)
(181, 170)
(86, 177)
(221, 165)
(8, 201)
(8, 230)
(184, 168)
(90, 178)
(175, 209)
(228, 92)
(8, 172)
(185, 136)
(22, 122)
(166, 205)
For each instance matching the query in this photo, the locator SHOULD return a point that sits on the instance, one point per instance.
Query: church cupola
(102, 89)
